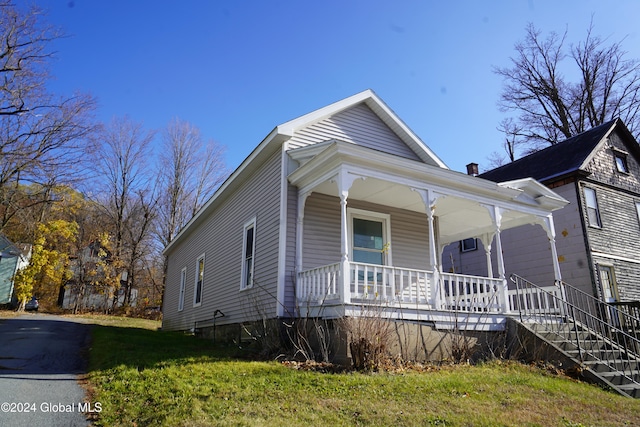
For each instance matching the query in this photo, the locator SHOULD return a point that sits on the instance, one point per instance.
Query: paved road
(40, 360)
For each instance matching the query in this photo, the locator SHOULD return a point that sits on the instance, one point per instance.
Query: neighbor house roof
(559, 160)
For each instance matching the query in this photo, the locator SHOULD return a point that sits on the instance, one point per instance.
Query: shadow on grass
(114, 346)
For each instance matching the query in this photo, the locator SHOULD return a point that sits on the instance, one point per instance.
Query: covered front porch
(372, 227)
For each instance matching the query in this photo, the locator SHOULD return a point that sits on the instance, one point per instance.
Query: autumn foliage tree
(49, 268)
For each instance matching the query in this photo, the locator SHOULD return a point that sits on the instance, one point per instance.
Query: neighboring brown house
(598, 233)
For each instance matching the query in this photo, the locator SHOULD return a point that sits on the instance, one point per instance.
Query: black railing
(598, 331)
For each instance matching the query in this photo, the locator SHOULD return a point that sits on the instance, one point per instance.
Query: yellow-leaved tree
(49, 267)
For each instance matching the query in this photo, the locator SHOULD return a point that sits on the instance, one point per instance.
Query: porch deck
(447, 299)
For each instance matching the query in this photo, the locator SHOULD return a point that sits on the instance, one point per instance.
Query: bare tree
(190, 172)
(41, 136)
(554, 101)
(123, 178)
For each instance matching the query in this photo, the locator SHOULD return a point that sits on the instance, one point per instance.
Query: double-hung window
(593, 212)
(183, 282)
(248, 254)
(197, 291)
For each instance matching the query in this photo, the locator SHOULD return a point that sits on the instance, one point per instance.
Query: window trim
(613, 283)
(244, 274)
(638, 211)
(596, 208)
(470, 249)
(353, 213)
(183, 288)
(195, 284)
(622, 156)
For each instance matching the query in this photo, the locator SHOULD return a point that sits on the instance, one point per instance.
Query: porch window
(197, 291)
(369, 231)
(183, 282)
(593, 212)
(248, 254)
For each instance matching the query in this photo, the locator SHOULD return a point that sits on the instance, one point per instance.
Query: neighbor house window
(621, 162)
(248, 254)
(593, 213)
(197, 291)
(369, 237)
(183, 282)
(638, 209)
(468, 245)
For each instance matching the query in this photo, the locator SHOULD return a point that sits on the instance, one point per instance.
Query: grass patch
(146, 377)
(118, 321)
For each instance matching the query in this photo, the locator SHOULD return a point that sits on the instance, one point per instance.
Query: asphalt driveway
(41, 358)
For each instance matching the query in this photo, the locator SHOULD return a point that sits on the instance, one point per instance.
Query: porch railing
(402, 286)
(470, 293)
(319, 284)
(386, 283)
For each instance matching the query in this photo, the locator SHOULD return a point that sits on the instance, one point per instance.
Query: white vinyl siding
(408, 231)
(219, 235)
(199, 282)
(248, 254)
(359, 125)
(183, 284)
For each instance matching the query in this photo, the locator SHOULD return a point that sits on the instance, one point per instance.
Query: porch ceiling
(463, 203)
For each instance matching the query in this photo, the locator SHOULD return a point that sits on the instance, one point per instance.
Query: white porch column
(302, 200)
(345, 181)
(486, 240)
(496, 215)
(429, 198)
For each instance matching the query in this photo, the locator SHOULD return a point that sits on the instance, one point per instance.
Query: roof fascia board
(598, 146)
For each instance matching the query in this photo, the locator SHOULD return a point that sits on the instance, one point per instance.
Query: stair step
(591, 345)
(619, 364)
(633, 390)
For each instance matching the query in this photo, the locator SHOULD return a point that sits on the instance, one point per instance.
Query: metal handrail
(598, 330)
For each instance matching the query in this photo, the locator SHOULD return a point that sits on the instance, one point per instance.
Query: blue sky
(236, 69)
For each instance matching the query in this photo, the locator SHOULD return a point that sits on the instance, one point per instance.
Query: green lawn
(145, 377)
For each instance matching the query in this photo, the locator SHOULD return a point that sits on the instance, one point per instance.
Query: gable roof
(382, 110)
(285, 131)
(559, 160)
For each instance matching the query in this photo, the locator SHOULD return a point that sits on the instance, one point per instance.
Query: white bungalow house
(345, 208)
